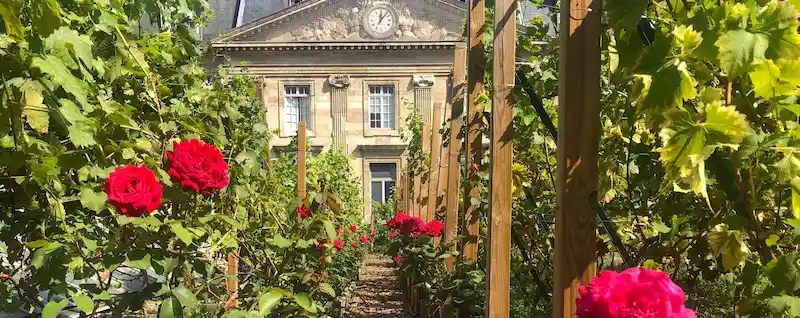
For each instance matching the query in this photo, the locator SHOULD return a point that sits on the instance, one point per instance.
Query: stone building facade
(353, 69)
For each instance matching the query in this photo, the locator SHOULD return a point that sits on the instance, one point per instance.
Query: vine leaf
(67, 39)
(10, 12)
(185, 297)
(785, 274)
(687, 39)
(46, 16)
(729, 244)
(784, 305)
(34, 110)
(689, 141)
(766, 78)
(687, 82)
(790, 70)
(84, 302)
(626, 13)
(61, 76)
(738, 49)
(778, 15)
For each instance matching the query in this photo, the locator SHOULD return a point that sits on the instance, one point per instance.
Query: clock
(380, 20)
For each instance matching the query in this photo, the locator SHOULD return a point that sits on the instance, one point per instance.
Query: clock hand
(382, 16)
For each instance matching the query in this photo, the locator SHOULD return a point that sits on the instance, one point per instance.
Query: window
(297, 106)
(381, 106)
(293, 2)
(382, 180)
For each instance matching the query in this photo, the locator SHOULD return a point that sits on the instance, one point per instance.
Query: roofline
(288, 11)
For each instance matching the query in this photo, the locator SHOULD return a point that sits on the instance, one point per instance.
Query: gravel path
(377, 294)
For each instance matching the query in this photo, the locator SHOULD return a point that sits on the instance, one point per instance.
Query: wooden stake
(301, 159)
(435, 168)
(231, 282)
(473, 146)
(498, 250)
(578, 143)
(453, 181)
(422, 198)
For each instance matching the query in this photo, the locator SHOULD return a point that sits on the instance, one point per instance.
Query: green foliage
(82, 94)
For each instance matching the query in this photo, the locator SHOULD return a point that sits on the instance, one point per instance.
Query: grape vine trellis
(698, 160)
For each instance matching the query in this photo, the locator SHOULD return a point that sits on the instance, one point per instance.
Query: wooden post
(473, 151)
(578, 143)
(301, 159)
(498, 249)
(422, 197)
(436, 149)
(232, 283)
(399, 193)
(453, 181)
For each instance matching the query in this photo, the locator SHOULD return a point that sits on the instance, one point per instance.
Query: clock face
(380, 21)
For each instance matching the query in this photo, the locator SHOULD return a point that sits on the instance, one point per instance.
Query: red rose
(396, 259)
(339, 245)
(133, 191)
(303, 211)
(393, 235)
(398, 219)
(354, 243)
(353, 228)
(372, 233)
(197, 166)
(412, 226)
(433, 228)
(362, 238)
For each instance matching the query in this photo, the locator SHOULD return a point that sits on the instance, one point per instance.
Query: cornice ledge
(331, 46)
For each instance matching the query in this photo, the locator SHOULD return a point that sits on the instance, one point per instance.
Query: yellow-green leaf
(34, 110)
(728, 243)
(687, 82)
(766, 79)
(687, 39)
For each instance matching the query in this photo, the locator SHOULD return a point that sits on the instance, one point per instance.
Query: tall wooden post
(436, 149)
(231, 282)
(301, 159)
(453, 181)
(422, 197)
(473, 147)
(498, 249)
(578, 143)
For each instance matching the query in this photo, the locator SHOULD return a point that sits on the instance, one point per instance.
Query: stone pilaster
(339, 85)
(422, 95)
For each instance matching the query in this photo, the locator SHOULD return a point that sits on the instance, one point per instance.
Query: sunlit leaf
(729, 244)
(767, 80)
(738, 49)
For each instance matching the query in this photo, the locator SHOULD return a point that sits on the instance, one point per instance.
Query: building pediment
(356, 21)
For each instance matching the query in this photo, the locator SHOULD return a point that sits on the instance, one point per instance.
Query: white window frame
(293, 110)
(386, 192)
(382, 101)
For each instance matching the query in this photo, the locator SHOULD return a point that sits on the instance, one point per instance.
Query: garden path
(377, 294)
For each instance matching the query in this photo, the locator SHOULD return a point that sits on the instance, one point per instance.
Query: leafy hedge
(80, 95)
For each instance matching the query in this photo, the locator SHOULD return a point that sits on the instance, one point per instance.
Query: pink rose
(636, 292)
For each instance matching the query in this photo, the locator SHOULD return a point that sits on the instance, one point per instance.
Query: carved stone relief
(346, 25)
